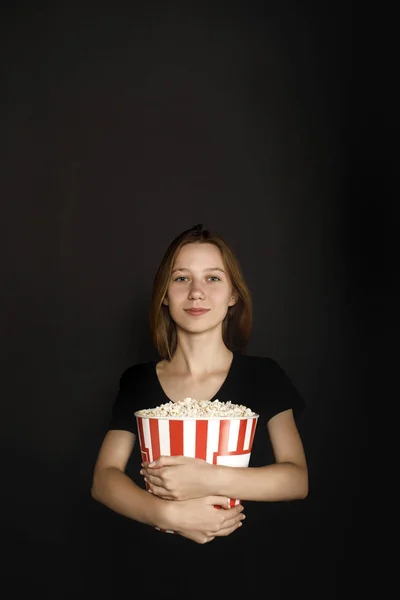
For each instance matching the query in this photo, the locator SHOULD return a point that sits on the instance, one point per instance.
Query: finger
(232, 512)
(151, 472)
(166, 461)
(233, 522)
(160, 492)
(154, 480)
(222, 501)
(228, 530)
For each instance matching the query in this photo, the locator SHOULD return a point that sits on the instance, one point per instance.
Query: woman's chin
(198, 328)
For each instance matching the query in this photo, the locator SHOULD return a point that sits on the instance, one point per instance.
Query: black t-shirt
(256, 382)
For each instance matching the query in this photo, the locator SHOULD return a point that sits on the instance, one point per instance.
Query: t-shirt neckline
(217, 393)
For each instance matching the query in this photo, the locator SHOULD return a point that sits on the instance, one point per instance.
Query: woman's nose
(196, 293)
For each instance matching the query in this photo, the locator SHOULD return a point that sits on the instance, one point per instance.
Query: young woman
(201, 318)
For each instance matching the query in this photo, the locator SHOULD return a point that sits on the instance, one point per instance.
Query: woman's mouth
(196, 312)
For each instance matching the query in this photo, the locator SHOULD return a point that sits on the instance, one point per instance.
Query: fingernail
(243, 516)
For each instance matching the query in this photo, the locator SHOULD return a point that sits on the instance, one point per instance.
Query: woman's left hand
(177, 477)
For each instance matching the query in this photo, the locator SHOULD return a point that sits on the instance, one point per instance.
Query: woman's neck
(197, 355)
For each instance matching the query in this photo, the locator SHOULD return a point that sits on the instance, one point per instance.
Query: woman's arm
(197, 519)
(286, 479)
(113, 488)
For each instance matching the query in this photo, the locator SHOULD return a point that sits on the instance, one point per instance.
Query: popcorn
(192, 408)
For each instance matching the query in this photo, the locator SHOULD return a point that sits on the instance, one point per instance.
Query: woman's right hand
(198, 519)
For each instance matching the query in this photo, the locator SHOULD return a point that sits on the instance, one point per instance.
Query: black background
(123, 126)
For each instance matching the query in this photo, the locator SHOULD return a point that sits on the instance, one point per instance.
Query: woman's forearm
(117, 491)
(279, 481)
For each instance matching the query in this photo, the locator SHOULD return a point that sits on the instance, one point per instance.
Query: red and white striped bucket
(217, 440)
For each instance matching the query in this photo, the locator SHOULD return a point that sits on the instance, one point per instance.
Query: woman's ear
(233, 300)
(165, 301)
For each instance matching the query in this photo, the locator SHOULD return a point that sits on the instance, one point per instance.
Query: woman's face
(199, 292)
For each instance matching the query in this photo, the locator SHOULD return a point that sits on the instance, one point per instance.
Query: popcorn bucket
(217, 440)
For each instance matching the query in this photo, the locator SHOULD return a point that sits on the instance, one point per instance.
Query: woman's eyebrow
(209, 269)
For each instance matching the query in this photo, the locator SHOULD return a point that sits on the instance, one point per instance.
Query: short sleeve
(123, 408)
(281, 392)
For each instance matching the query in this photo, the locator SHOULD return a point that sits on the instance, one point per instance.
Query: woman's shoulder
(256, 361)
(266, 376)
(262, 367)
(136, 372)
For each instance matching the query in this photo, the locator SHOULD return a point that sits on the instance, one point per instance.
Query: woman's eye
(184, 278)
